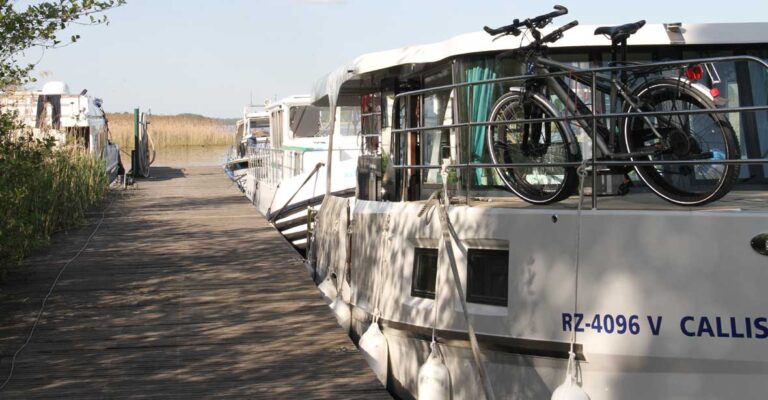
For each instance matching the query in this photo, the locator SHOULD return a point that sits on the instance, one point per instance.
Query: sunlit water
(191, 156)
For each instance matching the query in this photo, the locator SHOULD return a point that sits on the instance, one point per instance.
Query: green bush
(42, 190)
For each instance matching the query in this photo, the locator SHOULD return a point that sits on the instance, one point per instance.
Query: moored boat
(68, 119)
(627, 295)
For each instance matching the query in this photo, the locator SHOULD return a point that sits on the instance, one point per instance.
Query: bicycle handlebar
(536, 22)
(550, 38)
(558, 33)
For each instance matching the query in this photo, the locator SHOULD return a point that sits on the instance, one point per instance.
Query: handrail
(741, 161)
(584, 116)
(584, 71)
(659, 68)
(273, 217)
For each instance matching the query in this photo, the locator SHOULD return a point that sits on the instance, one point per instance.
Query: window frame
(480, 298)
(419, 292)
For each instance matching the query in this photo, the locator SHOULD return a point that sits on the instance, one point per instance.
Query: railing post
(135, 154)
(594, 142)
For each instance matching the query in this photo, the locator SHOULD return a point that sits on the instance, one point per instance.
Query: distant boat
(67, 118)
(252, 130)
(287, 175)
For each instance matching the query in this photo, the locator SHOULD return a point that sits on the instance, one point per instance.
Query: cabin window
(487, 276)
(349, 121)
(370, 117)
(276, 128)
(424, 273)
(305, 121)
(438, 111)
(474, 104)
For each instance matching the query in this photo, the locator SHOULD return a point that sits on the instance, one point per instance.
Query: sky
(211, 57)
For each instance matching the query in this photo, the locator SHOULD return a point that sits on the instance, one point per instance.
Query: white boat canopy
(329, 86)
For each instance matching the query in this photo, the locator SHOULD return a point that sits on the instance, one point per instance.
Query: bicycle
(649, 135)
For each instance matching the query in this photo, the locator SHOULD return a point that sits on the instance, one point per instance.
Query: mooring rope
(445, 223)
(582, 171)
(50, 291)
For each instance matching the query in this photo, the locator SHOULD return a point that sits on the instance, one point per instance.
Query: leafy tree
(38, 25)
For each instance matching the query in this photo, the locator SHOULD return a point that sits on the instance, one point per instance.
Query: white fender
(374, 345)
(434, 378)
(569, 390)
(345, 292)
(342, 312)
(328, 289)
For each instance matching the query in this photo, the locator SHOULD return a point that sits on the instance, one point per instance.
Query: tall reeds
(43, 190)
(172, 130)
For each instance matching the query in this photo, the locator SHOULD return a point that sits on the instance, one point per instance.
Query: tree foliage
(39, 24)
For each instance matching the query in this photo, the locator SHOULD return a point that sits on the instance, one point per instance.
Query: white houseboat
(54, 112)
(288, 176)
(628, 297)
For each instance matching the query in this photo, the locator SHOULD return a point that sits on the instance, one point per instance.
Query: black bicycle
(663, 129)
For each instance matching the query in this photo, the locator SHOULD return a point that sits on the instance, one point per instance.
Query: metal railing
(593, 75)
(274, 165)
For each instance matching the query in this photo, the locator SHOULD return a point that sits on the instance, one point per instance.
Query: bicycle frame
(580, 111)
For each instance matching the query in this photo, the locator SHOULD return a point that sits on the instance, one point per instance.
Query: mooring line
(50, 291)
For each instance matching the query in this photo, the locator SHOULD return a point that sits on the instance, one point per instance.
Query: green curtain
(479, 100)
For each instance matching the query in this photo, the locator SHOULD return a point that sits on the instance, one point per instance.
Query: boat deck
(183, 292)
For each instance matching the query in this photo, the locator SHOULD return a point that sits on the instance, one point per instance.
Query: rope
(48, 295)
(426, 212)
(379, 287)
(445, 223)
(582, 171)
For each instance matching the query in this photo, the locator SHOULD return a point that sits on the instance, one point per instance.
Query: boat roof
(257, 114)
(294, 100)
(579, 36)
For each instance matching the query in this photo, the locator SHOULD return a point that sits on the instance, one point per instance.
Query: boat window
(259, 127)
(370, 107)
(487, 276)
(436, 144)
(305, 121)
(349, 121)
(276, 125)
(474, 105)
(424, 273)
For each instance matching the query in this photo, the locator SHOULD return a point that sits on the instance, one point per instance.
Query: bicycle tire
(507, 143)
(698, 137)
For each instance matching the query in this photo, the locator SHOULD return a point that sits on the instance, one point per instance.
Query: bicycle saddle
(620, 32)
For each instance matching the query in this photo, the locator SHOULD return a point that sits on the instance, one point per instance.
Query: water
(191, 156)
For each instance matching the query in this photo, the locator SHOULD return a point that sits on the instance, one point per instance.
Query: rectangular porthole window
(487, 276)
(424, 273)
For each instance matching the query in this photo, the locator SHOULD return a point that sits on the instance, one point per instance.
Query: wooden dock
(184, 292)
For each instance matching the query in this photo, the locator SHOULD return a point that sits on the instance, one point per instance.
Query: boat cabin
(402, 165)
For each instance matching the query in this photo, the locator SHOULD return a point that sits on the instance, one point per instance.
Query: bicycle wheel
(542, 142)
(704, 136)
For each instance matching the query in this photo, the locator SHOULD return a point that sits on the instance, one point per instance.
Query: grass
(42, 190)
(173, 130)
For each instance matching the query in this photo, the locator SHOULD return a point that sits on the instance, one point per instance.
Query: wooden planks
(184, 292)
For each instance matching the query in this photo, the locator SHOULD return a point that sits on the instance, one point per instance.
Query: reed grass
(43, 190)
(172, 130)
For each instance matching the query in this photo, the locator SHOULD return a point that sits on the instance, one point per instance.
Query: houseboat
(287, 177)
(454, 285)
(68, 119)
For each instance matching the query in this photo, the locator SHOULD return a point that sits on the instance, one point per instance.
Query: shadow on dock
(185, 291)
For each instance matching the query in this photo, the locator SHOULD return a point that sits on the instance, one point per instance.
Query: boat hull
(667, 303)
